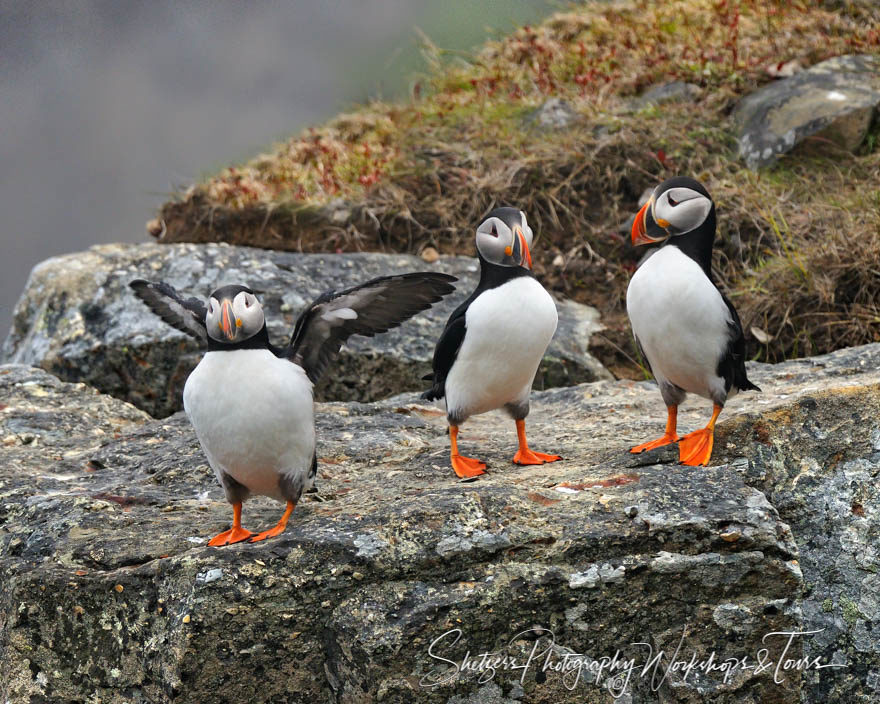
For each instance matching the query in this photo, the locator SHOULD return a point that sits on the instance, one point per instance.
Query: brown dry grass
(798, 245)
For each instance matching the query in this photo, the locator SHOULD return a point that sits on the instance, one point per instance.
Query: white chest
(508, 330)
(253, 414)
(680, 320)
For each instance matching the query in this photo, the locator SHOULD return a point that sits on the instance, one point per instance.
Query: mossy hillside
(799, 244)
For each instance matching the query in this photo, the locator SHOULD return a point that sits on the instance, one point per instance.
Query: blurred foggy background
(105, 106)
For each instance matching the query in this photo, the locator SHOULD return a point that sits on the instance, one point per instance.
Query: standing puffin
(492, 344)
(249, 402)
(684, 326)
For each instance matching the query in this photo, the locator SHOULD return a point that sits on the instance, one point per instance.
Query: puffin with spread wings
(684, 326)
(250, 402)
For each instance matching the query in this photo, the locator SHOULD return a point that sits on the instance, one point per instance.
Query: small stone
(555, 113)
(430, 255)
(156, 228)
(731, 537)
(186, 619)
(119, 588)
(675, 91)
(209, 576)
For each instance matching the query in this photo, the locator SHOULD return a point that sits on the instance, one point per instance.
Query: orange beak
(526, 254)
(226, 320)
(641, 226)
(638, 228)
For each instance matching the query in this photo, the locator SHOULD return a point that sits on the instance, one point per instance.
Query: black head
(505, 238)
(234, 315)
(676, 207)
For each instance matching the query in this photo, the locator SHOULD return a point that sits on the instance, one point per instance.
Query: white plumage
(254, 417)
(681, 322)
(508, 330)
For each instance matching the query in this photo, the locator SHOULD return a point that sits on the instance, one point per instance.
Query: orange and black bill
(521, 248)
(645, 229)
(227, 320)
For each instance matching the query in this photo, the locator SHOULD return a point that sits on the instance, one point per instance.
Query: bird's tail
(749, 386)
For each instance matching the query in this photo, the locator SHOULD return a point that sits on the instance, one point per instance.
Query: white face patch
(494, 237)
(684, 209)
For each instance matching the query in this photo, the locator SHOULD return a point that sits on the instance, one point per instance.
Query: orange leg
(669, 437)
(464, 466)
(279, 527)
(696, 448)
(526, 456)
(235, 534)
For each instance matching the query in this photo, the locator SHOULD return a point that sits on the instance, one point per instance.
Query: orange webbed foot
(234, 535)
(467, 467)
(527, 456)
(271, 533)
(696, 448)
(667, 439)
(279, 527)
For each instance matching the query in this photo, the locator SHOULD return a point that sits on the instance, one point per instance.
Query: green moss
(850, 610)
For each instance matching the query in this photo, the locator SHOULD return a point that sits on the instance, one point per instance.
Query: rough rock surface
(78, 319)
(110, 594)
(835, 99)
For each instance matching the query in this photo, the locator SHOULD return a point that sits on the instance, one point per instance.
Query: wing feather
(367, 309)
(185, 314)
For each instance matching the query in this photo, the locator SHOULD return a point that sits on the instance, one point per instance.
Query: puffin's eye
(494, 231)
(672, 201)
(247, 301)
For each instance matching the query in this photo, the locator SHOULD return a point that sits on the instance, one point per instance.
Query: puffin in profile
(492, 344)
(685, 328)
(250, 402)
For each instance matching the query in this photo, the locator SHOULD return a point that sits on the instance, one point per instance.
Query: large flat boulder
(111, 595)
(78, 319)
(835, 99)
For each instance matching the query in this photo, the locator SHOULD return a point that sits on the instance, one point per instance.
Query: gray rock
(110, 596)
(79, 320)
(675, 91)
(817, 462)
(554, 113)
(835, 99)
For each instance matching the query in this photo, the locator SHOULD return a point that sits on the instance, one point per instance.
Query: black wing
(373, 307)
(444, 357)
(186, 314)
(732, 366)
(447, 349)
(643, 355)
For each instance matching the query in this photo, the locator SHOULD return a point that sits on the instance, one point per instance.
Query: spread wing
(373, 307)
(186, 314)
